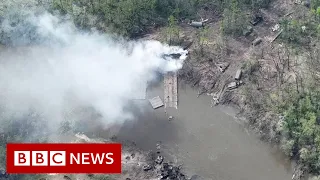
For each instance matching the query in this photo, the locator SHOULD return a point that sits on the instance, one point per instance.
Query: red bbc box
(63, 158)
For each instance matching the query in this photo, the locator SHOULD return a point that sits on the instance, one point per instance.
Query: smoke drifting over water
(66, 68)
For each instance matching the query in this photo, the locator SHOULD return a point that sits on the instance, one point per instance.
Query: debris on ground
(216, 96)
(275, 27)
(222, 66)
(66, 177)
(159, 160)
(171, 172)
(170, 118)
(147, 167)
(234, 85)
(136, 163)
(298, 172)
(161, 169)
(156, 102)
(277, 36)
(215, 100)
(3, 174)
(83, 137)
(298, 1)
(186, 44)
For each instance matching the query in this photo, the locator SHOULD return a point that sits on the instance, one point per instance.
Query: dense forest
(294, 106)
(132, 18)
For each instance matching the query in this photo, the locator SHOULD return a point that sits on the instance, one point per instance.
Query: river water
(208, 141)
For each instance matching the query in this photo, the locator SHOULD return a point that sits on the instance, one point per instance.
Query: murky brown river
(207, 140)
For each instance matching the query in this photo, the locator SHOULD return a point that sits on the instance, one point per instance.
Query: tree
(313, 64)
(301, 128)
(287, 146)
(315, 4)
(257, 4)
(203, 35)
(233, 18)
(172, 30)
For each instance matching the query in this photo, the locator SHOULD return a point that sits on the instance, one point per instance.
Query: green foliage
(315, 4)
(131, 17)
(291, 30)
(302, 130)
(250, 66)
(318, 11)
(298, 31)
(203, 35)
(125, 17)
(177, 8)
(233, 18)
(172, 31)
(261, 3)
(257, 4)
(287, 146)
(203, 38)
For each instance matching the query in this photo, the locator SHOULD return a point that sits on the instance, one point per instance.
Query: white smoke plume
(66, 66)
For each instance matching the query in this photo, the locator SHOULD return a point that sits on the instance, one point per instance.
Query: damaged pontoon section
(156, 102)
(170, 82)
(171, 90)
(175, 57)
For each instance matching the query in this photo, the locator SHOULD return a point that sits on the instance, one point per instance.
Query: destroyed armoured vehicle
(256, 20)
(147, 167)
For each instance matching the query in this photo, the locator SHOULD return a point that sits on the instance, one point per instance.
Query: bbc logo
(67, 158)
(39, 158)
